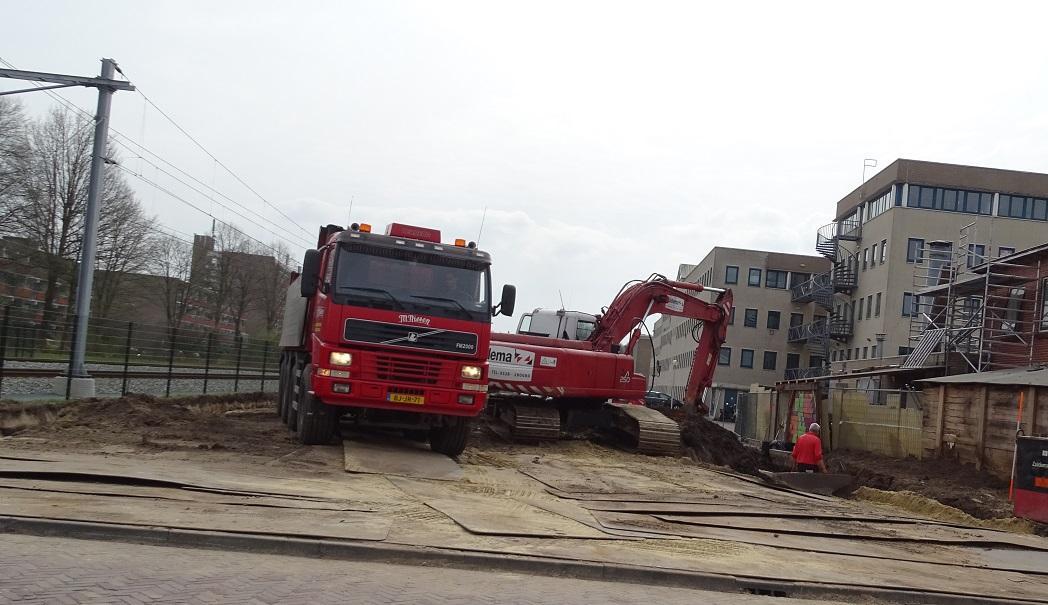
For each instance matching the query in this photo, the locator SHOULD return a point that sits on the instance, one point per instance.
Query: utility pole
(82, 385)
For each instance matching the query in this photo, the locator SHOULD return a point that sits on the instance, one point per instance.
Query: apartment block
(890, 231)
(757, 348)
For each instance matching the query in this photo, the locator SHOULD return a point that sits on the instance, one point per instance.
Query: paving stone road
(58, 570)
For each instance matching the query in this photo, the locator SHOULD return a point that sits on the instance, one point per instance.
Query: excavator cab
(562, 324)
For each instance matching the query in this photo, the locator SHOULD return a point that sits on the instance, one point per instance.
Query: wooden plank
(984, 402)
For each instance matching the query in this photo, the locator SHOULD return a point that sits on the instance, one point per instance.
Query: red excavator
(544, 385)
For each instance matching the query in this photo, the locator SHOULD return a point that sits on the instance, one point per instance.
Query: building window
(1005, 251)
(731, 317)
(914, 250)
(865, 351)
(770, 360)
(833, 356)
(773, 320)
(796, 319)
(793, 360)
(859, 316)
(877, 309)
(908, 309)
(976, 254)
(775, 279)
(873, 255)
(1017, 206)
(865, 257)
(951, 200)
(750, 321)
(884, 250)
(815, 361)
(869, 306)
(725, 356)
(731, 274)
(747, 359)
(754, 278)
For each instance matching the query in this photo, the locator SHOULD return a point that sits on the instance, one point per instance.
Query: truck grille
(410, 337)
(397, 369)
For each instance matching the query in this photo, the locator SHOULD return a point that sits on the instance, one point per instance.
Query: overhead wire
(138, 89)
(298, 240)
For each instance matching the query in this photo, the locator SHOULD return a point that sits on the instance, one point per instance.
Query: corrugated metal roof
(1037, 376)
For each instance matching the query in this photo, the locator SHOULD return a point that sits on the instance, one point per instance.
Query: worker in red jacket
(807, 453)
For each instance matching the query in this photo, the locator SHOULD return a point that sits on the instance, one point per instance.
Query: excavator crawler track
(651, 432)
(529, 422)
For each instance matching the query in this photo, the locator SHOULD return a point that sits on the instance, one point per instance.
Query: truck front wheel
(450, 438)
(317, 421)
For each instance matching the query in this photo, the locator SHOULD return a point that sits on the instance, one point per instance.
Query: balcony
(829, 236)
(815, 333)
(802, 373)
(817, 289)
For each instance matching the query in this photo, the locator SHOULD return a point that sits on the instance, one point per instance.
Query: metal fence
(130, 357)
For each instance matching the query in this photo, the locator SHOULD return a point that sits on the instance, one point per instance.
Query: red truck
(391, 331)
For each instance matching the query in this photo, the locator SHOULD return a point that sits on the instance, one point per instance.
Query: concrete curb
(379, 552)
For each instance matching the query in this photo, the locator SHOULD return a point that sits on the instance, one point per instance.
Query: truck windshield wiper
(443, 299)
(379, 290)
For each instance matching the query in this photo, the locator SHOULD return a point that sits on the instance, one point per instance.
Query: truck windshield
(417, 282)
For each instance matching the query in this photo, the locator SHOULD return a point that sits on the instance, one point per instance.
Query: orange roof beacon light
(365, 228)
(461, 243)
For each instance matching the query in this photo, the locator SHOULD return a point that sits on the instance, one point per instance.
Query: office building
(908, 219)
(757, 349)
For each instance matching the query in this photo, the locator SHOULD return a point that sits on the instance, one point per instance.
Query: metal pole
(265, 354)
(236, 375)
(87, 255)
(171, 361)
(72, 346)
(3, 346)
(127, 357)
(207, 358)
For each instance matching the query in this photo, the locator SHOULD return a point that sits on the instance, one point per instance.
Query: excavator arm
(638, 300)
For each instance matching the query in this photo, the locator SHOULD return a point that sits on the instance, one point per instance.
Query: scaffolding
(966, 302)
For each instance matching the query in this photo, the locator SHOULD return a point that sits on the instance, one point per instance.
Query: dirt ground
(977, 493)
(247, 423)
(244, 422)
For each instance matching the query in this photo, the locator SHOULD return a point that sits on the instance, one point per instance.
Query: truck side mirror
(508, 303)
(310, 272)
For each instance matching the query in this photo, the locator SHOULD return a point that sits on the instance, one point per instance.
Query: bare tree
(49, 208)
(124, 246)
(13, 149)
(272, 286)
(173, 262)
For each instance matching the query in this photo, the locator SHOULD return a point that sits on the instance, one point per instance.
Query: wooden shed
(972, 417)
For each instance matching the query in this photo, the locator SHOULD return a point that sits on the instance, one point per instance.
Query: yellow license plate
(402, 398)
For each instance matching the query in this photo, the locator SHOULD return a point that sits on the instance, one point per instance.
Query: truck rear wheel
(450, 438)
(317, 421)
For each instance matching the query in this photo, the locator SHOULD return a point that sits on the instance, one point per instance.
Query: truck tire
(317, 421)
(450, 438)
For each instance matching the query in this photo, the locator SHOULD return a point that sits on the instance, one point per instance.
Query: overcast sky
(606, 140)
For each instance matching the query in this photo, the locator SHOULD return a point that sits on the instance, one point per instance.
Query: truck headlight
(471, 372)
(339, 358)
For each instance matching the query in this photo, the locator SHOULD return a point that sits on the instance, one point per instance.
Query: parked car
(661, 401)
